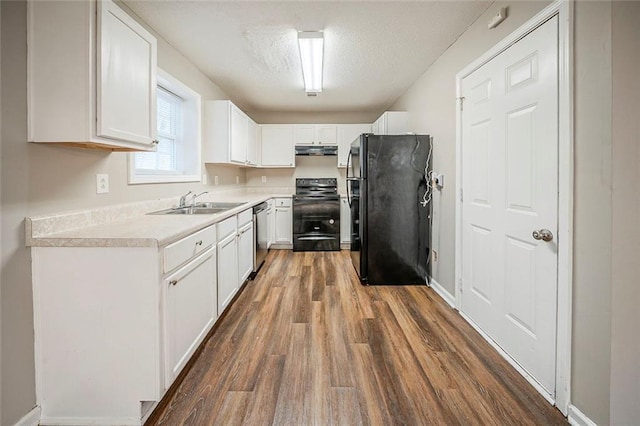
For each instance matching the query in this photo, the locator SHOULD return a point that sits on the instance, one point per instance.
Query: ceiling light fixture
(311, 51)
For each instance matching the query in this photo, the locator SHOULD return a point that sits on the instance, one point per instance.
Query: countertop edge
(68, 240)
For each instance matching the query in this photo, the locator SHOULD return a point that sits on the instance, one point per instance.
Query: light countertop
(128, 225)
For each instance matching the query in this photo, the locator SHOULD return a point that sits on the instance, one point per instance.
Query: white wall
(625, 298)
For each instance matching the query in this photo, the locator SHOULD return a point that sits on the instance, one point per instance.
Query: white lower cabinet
(190, 310)
(112, 329)
(345, 221)
(270, 222)
(283, 221)
(227, 271)
(245, 251)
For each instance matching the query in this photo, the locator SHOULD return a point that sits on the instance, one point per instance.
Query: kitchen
(42, 180)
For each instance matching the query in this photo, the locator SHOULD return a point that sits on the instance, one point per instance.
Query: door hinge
(460, 285)
(461, 197)
(461, 99)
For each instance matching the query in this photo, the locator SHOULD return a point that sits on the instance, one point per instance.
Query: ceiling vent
(312, 94)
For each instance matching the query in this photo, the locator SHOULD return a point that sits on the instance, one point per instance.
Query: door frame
(564, 10)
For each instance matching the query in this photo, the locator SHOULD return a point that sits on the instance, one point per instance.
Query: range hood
(316, 150)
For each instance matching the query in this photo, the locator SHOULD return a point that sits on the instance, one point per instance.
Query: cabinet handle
(173, 282)
(199, 243)
(155, 142)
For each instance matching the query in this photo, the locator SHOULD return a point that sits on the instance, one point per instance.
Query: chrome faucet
(193, 200)
(183, 199)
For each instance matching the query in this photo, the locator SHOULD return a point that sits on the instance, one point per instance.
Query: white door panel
(510, 184)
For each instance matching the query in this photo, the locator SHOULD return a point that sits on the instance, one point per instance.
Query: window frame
(188, 149)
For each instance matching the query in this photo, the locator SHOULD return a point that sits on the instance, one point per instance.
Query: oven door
(316, 224)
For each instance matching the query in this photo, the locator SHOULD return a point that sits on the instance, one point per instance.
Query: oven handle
(316, 200)
(317, 238)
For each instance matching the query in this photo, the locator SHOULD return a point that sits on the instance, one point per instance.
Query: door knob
(542, 234)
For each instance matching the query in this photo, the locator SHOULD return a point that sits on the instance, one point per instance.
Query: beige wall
(305, 167)
(625, 298)
(37, 179)
(592, 211)
(431, 103)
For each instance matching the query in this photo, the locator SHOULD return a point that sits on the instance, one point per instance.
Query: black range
(316, 215)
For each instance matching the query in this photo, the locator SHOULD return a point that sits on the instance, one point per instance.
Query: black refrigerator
(390, 208)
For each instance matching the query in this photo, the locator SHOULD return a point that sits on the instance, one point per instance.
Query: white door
(283, 225)
(510, 190)
(326, 135)
(348, 133)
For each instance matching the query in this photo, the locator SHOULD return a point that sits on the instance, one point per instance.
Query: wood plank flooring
(306, 344)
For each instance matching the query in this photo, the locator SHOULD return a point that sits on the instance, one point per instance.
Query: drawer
(245, 217)
(283, 202)
(179, 252)
(227, 227)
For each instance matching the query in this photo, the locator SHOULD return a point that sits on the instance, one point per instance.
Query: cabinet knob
(155, 142)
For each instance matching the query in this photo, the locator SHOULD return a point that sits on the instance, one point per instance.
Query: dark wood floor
(306, 344)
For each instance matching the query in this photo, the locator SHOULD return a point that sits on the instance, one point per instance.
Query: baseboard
(578, 418)
(444, 294)
(542, 391)
(32, 418)
(84, 421)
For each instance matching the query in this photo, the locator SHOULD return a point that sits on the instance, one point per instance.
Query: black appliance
(316, 215)
(316, 150)
(261, 240)
(390, 208)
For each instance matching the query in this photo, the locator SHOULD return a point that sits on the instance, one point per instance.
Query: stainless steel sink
(215, 205)
(198, 209)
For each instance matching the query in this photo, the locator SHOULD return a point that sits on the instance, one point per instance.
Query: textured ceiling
(373, 50)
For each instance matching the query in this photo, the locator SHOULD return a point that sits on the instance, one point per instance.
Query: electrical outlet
(215, 180)
(237, 179)
(434, 255)
(264, 179)
(102, 183)
(204, 178)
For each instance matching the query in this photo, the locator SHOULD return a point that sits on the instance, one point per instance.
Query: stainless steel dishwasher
(261, 233)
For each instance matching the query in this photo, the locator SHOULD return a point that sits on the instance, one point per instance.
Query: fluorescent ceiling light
(311, 50)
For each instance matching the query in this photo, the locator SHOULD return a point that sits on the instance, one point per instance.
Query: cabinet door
(345, 221)
(326, 134)
(126, 107)
(190, 311)
(238, 137)
(277, 146)
(347, 133)
(227, 271)
(303, 135)
(270, 226)
(283, 226)
(245, 252)
(252, 143)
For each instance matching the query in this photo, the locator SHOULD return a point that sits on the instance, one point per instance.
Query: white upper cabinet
(252, 143)
(347, 133)
(315, 134)
(227, 139)
(391, 123)
(276, 147)
(81, 59)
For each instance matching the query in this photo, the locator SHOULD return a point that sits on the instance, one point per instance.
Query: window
(177, 158)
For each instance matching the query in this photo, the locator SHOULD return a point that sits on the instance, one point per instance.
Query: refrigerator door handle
(348, 178)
